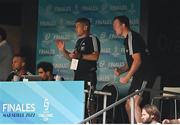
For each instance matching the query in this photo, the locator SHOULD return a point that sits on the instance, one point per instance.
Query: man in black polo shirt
(139, 66)
(87, 50)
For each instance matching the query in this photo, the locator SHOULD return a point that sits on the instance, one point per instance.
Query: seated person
(18, 68)
(150, 115)
(45, 71)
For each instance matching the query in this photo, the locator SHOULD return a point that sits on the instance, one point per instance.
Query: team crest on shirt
(83, 47)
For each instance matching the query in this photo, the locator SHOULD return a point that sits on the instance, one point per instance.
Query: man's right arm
(61, 46)
(66, 54)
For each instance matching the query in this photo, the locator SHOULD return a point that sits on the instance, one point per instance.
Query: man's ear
(123, 25)
(85, 27)
(23, 64)
(152, 116)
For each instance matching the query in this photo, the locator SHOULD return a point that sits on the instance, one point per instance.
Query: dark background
(164, 39)
(19, 18)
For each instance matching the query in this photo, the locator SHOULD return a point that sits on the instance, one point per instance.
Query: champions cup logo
(46, 114)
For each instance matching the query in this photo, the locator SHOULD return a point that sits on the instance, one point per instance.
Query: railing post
(175, 108)
(132, 109)
(104, 106)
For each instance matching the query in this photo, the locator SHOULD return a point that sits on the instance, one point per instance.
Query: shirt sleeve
(96, 44)
(138, 44)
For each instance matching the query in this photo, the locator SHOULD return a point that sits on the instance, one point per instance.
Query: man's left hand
(124, 79)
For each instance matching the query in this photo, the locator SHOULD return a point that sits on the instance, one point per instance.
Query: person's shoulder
(155, 122)
(6, 47)
(158, 123)
(137, 37)
(135, 34)
(94, 37)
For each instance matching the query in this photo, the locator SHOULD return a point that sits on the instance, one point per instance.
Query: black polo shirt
(87, 45)
(134, 43)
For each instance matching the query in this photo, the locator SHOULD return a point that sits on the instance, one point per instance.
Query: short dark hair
(152, 110)
(85, 21)
(3, 33)
(46, 66)
(123, 19)
(20, 56)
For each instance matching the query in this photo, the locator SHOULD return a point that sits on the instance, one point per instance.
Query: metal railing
(105, 95)
(130, 96)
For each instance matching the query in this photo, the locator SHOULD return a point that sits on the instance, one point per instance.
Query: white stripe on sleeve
(94, 40)
(130, 43)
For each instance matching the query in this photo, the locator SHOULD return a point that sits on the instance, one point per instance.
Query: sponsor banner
(60, 102)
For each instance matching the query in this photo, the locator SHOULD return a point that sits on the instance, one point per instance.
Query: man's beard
(148, 121)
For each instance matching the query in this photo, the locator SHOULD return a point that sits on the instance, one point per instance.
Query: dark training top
(134, 43)
(87, 45)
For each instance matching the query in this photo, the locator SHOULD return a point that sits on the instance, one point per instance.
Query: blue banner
(41, 102)
(56, 20)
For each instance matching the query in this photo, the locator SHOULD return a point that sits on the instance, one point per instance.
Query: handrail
(161, 91)
(110, 106)
(124, 99)
(99, 92)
